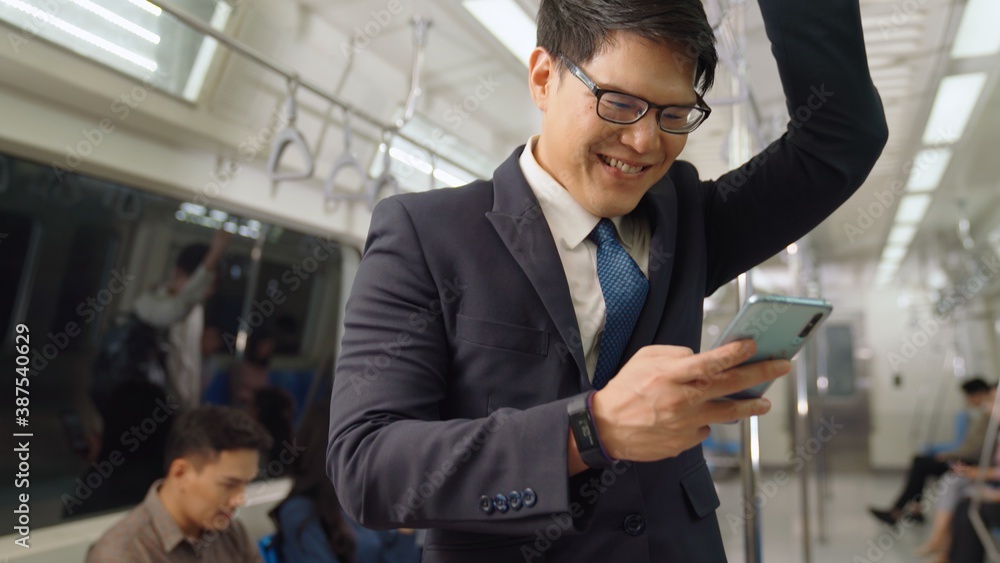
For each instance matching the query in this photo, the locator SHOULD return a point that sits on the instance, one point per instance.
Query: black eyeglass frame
(599, 92)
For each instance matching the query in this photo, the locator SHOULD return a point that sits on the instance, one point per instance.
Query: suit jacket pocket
(502, 335)
(700, 491)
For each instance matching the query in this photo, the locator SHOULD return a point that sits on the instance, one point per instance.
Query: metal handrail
(276, 67)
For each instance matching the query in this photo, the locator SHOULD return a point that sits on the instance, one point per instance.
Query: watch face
(582, 423)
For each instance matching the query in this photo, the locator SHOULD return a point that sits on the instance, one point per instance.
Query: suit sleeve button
(486, 504)
(501, 503)
(634, 525)
(528, 498)
(514, 499)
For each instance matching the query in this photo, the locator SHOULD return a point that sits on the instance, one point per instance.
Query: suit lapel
(519, 222)
(660, 207)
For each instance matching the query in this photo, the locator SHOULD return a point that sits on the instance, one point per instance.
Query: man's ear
(179, 469)
(543, 77)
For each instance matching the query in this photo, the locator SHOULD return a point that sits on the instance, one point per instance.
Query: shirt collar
(569, 222)
(166, 527)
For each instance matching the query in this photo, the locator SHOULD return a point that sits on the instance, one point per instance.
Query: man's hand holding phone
(663, 400)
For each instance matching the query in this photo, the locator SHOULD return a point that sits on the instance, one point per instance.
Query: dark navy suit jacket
(461, 347)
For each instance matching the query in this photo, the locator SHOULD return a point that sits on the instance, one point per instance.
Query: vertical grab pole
(800, 431)
(749, 462)
(733, 33)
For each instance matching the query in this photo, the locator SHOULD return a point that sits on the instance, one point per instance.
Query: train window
(135, 38)
(78, 255)
(15, 243)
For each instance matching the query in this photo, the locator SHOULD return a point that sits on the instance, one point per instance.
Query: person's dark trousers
(965, 544)
(923, 466)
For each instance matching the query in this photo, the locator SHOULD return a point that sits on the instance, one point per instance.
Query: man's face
(211, 494)
(575, 143)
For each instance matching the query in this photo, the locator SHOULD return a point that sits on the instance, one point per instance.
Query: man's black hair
(191, 257)
(206, 431)
(580, 29)
(975, 385)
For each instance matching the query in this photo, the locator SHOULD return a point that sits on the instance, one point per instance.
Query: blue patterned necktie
(624, 288)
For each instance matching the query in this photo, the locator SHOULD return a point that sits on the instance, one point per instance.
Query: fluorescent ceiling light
(893, 253)
(508, 23)
(912, 209)
(977, 34)
(155, 10)
(119, 21)
(902, 234)
(82, 34)
(206, 53)
(956, 98)
(929, 167)
(450, 179)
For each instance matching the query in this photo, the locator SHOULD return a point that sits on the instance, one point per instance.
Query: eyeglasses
(621, 108)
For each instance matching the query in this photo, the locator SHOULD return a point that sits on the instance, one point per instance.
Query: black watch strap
(585, 431)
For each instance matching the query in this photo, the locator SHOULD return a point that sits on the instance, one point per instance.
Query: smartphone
(780, 326)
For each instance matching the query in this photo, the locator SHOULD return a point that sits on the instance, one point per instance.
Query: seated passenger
(311, 525)
(974, 392)
(924, 467)
(965, 544)
(960, 482)
(212, 454)
(252, 372)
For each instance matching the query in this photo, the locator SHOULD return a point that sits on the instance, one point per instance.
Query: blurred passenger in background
(245, 378)
(924, 467)
(211, 344)
(212, 454)
(274, 409)
(974, 391)
(176, 307)
(960, 483)
(311, 525)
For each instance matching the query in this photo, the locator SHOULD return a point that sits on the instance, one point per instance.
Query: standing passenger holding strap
(484, 319)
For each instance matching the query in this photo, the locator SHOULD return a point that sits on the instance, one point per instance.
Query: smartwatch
(585, 432)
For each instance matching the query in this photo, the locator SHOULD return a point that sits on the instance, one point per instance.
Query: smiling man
(518, 369)
(212, 454)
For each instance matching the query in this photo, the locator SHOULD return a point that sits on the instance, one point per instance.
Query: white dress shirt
(570, 224)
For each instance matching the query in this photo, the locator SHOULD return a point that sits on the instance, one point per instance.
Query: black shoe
(883, 515)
